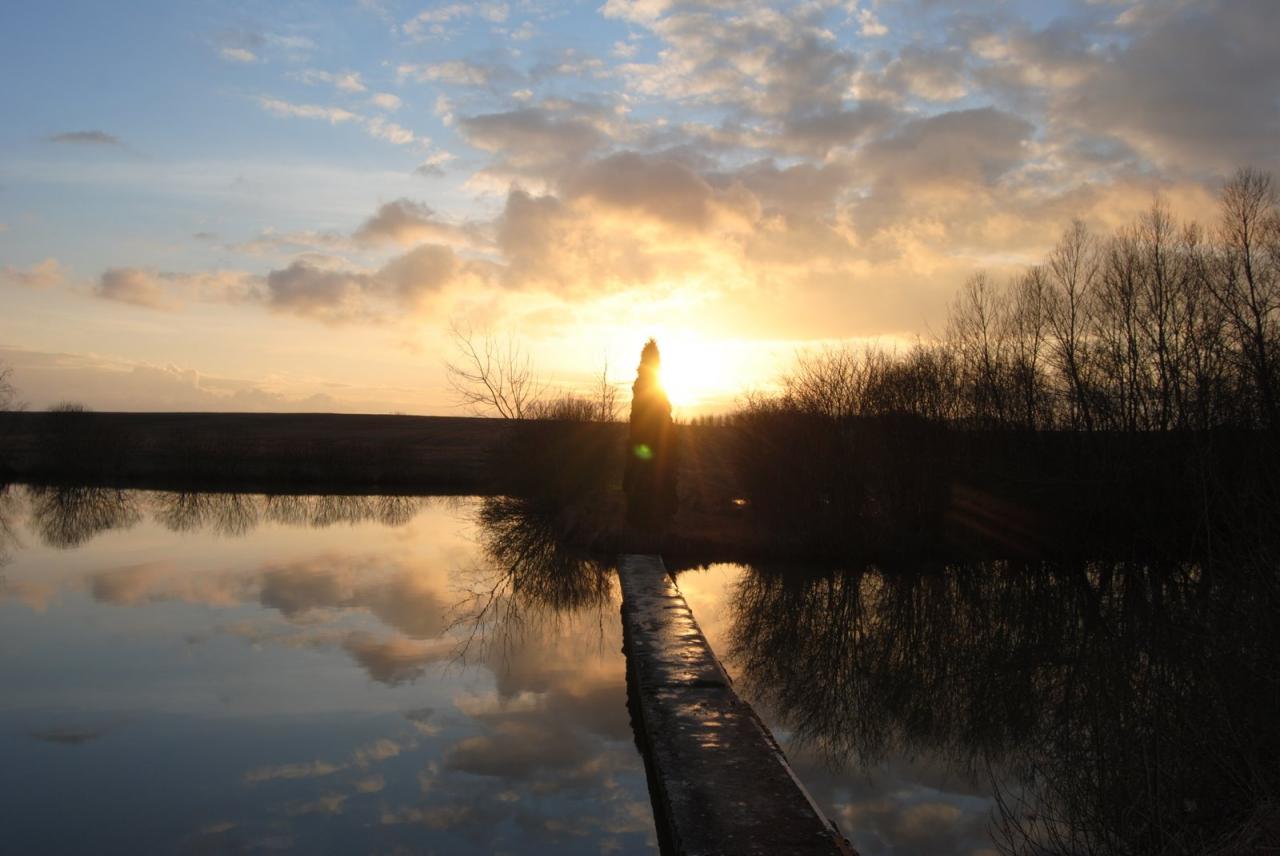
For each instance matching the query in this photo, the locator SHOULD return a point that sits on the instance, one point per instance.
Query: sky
(286, 206)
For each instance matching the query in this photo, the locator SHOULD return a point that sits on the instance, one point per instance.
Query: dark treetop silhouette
(650, 477)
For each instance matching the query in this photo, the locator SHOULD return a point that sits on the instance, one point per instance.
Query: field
(872, 488)
(254, 451)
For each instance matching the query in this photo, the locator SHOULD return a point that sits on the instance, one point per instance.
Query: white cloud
(869, 24)
(431, 22)
(434, 163)
(455, 72)
(376, 126)
(343, 81)
(333, 115)
(240, 55)
(386, 101)
(389, 131)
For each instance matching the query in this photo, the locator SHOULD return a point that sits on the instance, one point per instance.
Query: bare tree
(1247, 283)
(1073, 269)
(976, 330)
(8, 394)
(1028, 324)
(493, 376)
(606, 397)
(8, 401)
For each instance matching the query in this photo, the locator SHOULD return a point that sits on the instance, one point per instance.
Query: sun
(695, 371)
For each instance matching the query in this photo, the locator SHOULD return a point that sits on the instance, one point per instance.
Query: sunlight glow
(696, 370)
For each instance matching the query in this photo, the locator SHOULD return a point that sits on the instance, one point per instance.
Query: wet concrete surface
(719, 781)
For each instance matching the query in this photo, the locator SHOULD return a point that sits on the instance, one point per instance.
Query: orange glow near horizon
(697, 372)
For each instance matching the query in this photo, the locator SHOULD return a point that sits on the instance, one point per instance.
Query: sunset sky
(282, 206)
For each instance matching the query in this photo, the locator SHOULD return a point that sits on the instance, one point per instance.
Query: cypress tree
(650, 477)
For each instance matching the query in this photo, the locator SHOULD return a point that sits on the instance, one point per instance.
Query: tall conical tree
(650, 478)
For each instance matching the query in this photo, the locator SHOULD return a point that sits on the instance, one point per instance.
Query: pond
(884, 803)
(225, 672)
(202, 672)
(1050, 706)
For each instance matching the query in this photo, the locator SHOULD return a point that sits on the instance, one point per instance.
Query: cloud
(816, 134)
(307, 288)
(764, 62)
(240, 55)
(131, 285)
(40, 275)
(432, 22)
(84, 138)
(168, 291)
(662, 189)
(381, 129)
(869, 24)
(433, 166)
(376, 126)
(454, 72)
(333, 115)
(311, 770)
(422, 271)
(532, 139)
(1218, 111)
(932, 74)
(328, 289)
(734, 155)
(46, 378)
(407, 223)
(344, 81)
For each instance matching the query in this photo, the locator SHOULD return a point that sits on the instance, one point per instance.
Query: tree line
(1159, 326)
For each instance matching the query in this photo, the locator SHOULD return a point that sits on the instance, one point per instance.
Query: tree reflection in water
(328, 510)
(69, 516)
(8, 535)
(1134, 704)
(528, 575)
(229, 514)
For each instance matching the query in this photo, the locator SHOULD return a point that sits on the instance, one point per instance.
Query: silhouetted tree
(493, 376)
(650, 477)
(1247, 281)
(7, 391)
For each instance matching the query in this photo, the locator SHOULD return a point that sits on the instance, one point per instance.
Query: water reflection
(1119, 707)
(8, 531)
(67, 517)
(224, 513)
(529, 573)
(299, 688)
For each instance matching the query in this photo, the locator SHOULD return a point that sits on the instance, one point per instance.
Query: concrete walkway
(720, 782)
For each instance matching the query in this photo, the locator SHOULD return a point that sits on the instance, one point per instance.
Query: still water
(221, 672)
(214, 673)
(884, 802)
(1110, 705)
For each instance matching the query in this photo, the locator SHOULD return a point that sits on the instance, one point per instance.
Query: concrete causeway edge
(719, 781)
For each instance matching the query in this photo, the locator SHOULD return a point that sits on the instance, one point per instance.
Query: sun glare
(695, 371)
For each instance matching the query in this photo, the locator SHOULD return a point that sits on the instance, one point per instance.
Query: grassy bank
(773, 487)
(254, 451)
